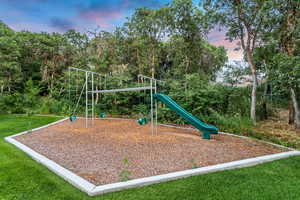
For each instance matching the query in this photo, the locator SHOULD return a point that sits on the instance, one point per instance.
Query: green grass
(22, 178)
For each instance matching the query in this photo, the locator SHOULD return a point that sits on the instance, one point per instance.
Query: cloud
(61, 24)
(100, 13)
(105, 13)
(18, 1)
(28, 7)
(14, 13)
(33, 27)
(218, 38)
(132, 4)
(230, 46)
(81, 14)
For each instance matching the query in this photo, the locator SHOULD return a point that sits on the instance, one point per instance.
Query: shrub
(12, 103)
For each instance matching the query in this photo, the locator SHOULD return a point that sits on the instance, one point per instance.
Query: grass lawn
(22, 178)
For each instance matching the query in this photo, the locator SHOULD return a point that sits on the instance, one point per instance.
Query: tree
(10, 72)
(188, 26)
(289, 34)
(280, 51)
(244, 21)
(148, 27)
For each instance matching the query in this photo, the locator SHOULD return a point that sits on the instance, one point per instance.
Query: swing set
(92, 84)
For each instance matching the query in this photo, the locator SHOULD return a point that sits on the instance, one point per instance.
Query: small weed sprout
(125, 173)
(194, 164)
(29, 115)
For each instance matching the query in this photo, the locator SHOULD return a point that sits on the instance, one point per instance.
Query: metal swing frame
(88, 85)
(90, 92)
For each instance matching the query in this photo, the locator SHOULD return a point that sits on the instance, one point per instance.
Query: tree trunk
(264, 103)
(253, 98)
(8, 83)
(254, 86)
(97, 96)
(138, 60)
(289, 44)
(51, 85)
(186, 72)
(291, 112)
(61, 90)
(152, 72)
(296, 109)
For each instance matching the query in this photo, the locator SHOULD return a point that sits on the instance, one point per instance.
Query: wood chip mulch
(97, 153)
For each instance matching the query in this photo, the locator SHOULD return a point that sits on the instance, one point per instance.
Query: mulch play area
(98, 153)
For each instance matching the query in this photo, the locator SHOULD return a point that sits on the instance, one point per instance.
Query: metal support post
(155, 91)
(92, 99)
(70, 91)
(76, 81)
(86, 99)
(151, 94)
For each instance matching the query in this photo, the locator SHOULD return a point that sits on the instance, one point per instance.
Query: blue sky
(60, 15)
(81, 15)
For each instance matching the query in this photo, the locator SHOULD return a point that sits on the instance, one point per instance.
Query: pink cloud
(126, 3)
(34, 27)
(14, 13)
(100, 17)
(139, 4)
(217, 38)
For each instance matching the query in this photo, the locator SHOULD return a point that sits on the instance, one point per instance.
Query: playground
(22, 175)
(97, 154)
(155, 100)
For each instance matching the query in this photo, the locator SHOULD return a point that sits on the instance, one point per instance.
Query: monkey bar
(123, 89)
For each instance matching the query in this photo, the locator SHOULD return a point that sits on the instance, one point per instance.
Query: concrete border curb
(66, 174)
(187, 173)
(93, 190)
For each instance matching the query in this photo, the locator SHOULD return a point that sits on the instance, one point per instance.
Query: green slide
(201, 126)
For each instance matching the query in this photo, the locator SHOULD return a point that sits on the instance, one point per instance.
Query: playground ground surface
(23, 178)
(98, 153)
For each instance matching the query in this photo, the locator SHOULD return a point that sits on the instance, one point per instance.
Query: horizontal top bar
(147, 77)
(123, 89)
(82, 70)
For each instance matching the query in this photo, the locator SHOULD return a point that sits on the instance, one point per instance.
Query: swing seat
(73, 118)
(102, 115)
(142, 121)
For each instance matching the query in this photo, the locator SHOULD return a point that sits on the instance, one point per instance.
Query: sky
(83, 15)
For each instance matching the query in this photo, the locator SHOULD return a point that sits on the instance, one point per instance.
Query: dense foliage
(166, 43)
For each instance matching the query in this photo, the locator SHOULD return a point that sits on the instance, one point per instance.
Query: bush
(12, 103)
(232, 124)
(16, 102)
(53, 106)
